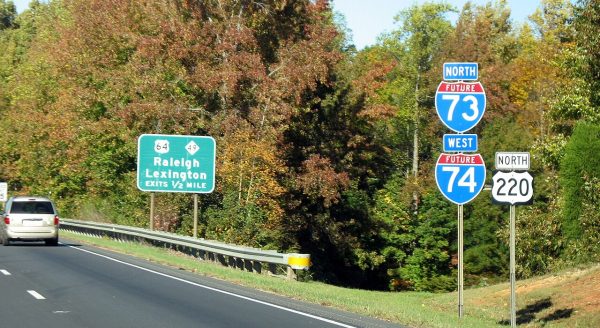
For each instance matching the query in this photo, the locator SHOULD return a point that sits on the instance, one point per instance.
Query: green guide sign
(173, 163)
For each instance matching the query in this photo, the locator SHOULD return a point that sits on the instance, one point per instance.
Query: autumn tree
(402, 65)
(587, 19)
(336, 165)
(8, 13)
(483, 35)
(577, 112)
(422, 32)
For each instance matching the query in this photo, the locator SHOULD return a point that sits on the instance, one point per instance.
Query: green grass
(484, 307)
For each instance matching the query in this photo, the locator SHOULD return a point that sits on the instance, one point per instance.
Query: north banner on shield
(460, 105)
(460, 177)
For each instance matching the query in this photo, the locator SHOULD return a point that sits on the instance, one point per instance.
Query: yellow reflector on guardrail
(298, 261)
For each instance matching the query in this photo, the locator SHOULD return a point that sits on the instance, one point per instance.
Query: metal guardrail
(245, 258)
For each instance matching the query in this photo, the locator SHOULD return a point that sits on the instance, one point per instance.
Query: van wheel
(51, 241)
(5, 241)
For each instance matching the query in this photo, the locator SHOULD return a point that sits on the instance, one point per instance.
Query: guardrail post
(257, 266)
(272, 269)
(221, 259)
(291, 273)
(248, 265)
(297, 262)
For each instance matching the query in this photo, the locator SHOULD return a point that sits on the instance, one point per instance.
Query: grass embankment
(567, 299)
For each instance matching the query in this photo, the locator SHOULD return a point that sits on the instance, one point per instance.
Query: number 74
(466, 180)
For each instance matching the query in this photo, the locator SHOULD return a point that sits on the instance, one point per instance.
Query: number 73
(466, 180)
(455, 99)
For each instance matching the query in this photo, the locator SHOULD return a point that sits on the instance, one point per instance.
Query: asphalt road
(80, 286)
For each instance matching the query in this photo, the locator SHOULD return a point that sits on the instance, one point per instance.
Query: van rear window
(32, 208)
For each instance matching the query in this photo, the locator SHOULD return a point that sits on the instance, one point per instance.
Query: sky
(21, 4)
(367, 19)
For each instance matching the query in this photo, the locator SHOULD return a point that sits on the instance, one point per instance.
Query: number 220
(512, 184)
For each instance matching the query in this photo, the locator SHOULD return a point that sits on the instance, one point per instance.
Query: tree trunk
(415, 164)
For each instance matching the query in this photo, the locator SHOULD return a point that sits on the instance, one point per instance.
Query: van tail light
(6, 220)
(56, 220)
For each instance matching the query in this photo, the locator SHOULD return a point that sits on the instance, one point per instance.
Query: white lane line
(308, 315)
(4, 272)
(37, 295)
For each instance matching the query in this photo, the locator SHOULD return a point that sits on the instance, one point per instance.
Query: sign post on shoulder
(460, 177)
(512, 184)
(176, 163)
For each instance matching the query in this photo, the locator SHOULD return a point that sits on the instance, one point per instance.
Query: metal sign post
(151, 211)
(513, 287)
(461, 301)
(195, 215)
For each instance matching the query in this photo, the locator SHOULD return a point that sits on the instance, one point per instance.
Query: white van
(29, 219)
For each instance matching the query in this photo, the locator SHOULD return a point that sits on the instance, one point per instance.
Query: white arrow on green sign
(176, 163)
